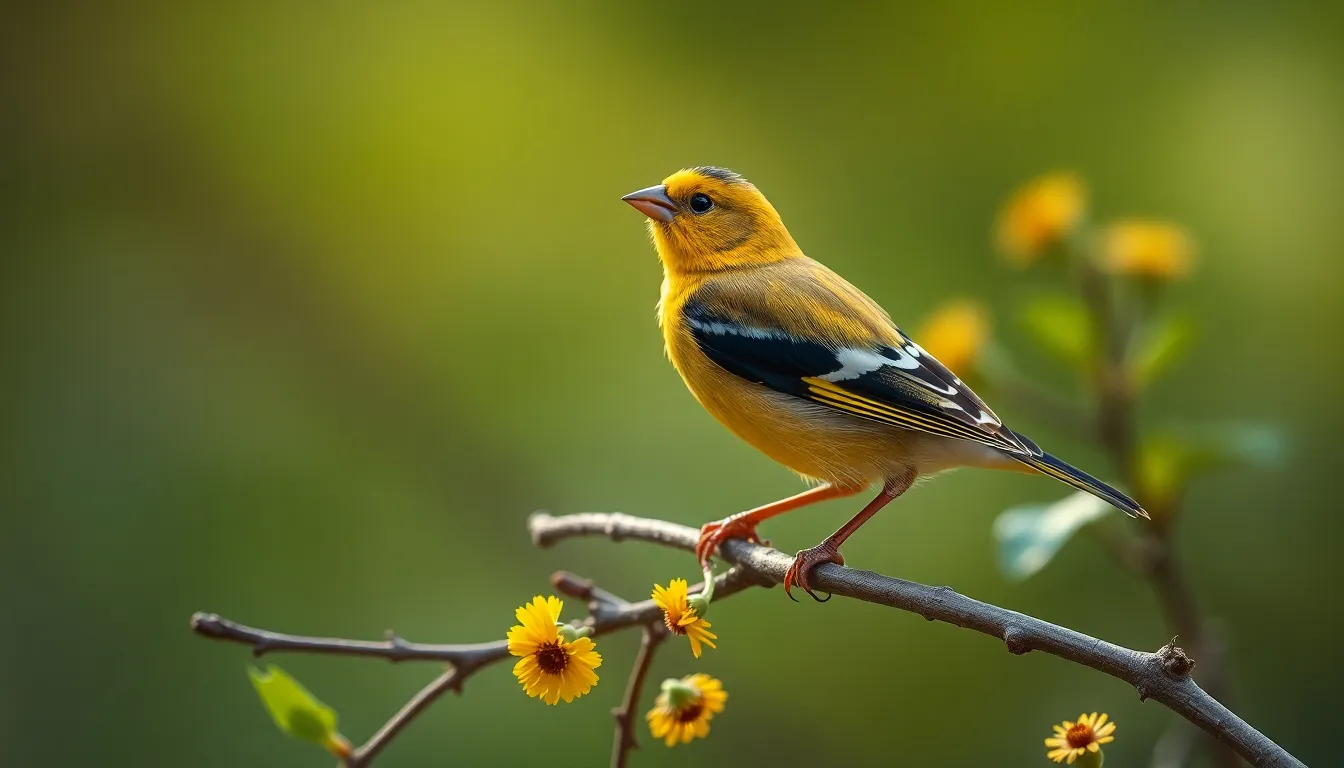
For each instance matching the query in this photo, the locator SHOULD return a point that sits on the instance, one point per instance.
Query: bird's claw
(715, 533)
(804, 562)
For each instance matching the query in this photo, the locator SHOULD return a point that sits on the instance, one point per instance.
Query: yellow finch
(805, 367)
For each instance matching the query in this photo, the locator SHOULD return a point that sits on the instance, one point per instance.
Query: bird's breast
(814, 441)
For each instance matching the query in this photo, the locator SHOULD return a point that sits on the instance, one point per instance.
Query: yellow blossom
(1072, 740)
(552, 666)
(1148, 249)
(681, 618)
(955, 334)
(685, 707)
(1039, 215)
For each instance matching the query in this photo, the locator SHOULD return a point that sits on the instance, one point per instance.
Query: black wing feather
(904, 387)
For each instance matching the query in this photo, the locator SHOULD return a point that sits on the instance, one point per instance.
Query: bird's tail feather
(1053, 467)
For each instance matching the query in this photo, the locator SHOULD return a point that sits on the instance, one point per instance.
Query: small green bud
(699, 604)
(570, 633)
(679, 694)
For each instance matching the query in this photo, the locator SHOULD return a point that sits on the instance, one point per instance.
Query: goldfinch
(802, 365)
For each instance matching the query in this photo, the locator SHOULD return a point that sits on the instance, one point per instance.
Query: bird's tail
(1053, 467)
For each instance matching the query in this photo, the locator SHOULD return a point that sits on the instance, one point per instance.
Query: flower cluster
(557, 661)
(1050, 210)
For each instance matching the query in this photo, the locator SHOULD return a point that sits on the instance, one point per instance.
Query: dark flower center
(1079, 736)
(691, 713)
(672, 626)
(552, 658)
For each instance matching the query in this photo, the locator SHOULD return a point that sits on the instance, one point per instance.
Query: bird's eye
(700, 202)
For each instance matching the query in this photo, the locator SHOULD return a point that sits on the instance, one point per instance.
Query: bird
(805, 367)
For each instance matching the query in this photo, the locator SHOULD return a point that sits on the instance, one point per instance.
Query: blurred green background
(307, 306)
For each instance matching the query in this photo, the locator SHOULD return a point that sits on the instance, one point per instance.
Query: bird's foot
(715, 533)
(804, 562)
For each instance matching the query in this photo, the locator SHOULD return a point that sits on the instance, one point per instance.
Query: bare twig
(607, 613)
(627, 713)
(450, 680)
(1163, 676)
(463, 660)
(264, 641)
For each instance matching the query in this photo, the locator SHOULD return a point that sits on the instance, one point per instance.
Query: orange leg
(743, 524)
(828, 551)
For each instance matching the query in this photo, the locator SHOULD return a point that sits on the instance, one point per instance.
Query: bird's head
(707, 219)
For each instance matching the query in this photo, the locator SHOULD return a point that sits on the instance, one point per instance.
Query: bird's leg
(743, 524)
(828, 551)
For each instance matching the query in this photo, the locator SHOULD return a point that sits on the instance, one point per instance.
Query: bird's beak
(653, 202)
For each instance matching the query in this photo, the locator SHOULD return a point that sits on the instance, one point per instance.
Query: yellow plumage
(802, 365)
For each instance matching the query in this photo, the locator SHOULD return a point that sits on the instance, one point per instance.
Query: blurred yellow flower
(1039, 215)
(685, 707)
(1150, 249)
(553, 666)
(681, 618)
(955, 334)
(1071, 740)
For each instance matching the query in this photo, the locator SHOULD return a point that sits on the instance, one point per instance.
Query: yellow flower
(552, 667)
(685, 707)
(1148, 249)
(1071, 740)
(955, 334)
(1039, 215)
(680, 617)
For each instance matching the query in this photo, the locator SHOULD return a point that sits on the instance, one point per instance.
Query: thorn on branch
(1175, 660)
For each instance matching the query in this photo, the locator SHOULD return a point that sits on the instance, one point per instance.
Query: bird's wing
(876, 372)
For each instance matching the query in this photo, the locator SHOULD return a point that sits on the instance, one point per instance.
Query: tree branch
(1163, 676)
(627, 713)
(607, 613)
(394, 648)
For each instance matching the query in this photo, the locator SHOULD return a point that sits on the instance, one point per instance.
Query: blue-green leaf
(294, 710)
(1029, 536)
(1254, 445)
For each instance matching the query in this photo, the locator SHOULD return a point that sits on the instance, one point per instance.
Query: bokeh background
(306, 307)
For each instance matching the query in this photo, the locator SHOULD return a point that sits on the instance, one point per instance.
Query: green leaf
(1161, 344)
(294, 710)
(1030, 535)
(1167, 460)
(1062, 327)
